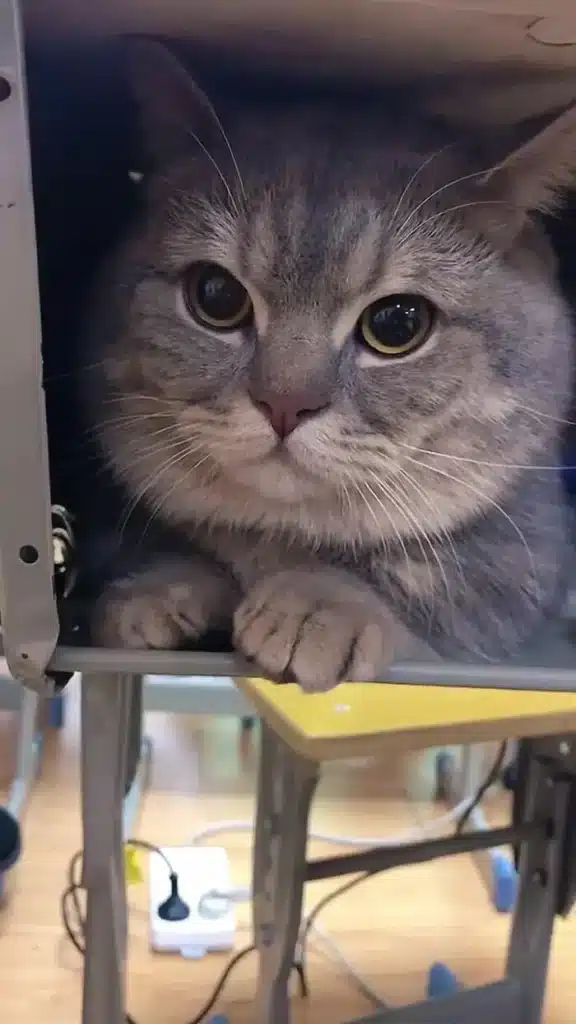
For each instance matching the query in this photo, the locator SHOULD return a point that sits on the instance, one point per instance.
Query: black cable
(74, 926)
(492, 777)
(213, 999)
(75, 932)
(320, 906)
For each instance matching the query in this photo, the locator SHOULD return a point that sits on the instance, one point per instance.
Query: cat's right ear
(175, 115)
(536, 174)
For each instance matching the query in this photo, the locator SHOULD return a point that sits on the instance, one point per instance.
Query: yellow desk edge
(365, 718)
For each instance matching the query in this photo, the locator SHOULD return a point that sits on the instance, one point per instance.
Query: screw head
(5, 89)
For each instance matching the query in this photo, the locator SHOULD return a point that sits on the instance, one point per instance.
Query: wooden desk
(357, 719)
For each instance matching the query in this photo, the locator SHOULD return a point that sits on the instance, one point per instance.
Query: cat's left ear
(175, 114)
(536, 174)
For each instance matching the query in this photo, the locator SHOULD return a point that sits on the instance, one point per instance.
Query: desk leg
(285, 789)
(106, 715)
(540, 865)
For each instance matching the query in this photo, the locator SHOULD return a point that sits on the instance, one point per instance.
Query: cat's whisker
(218, 170)
(138, 455)
(443, 188)
(485, 498)
(480, 462)
(124, 421)
(442, 530)
(52, 378)
(151, 482)
(444, 533)
(539, 414)
(404, 239)
(398, 535)
(228, 145)
(343, 487)
(161, 503)
(422, 167)
(135, 396)
(420, 537)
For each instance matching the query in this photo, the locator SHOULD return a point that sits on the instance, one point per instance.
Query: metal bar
(203, 663)
(385, 858)
(541, 857)
(286, 784)
(500, 1002)
(106, 705)
(29, 615)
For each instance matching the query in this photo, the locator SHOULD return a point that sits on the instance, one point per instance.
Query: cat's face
(336, 328)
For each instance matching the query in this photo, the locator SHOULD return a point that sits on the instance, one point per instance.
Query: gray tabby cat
(332, 360)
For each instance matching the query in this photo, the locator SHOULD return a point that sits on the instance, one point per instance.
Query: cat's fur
(423, 501)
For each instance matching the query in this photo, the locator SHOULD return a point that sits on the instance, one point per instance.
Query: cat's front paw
(318, 628)
(164, 607)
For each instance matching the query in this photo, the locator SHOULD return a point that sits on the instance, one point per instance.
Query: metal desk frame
(541, 834)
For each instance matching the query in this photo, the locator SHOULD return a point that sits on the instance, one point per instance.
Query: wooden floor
(391, 927)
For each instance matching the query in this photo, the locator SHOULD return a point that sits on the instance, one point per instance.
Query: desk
(356, 719)
(299, 732)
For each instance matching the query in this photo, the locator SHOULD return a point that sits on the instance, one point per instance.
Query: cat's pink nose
(285, 412)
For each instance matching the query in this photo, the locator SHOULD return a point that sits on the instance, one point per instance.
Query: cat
(331, 361)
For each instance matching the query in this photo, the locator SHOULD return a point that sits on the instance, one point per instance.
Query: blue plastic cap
(505, 882)
(442, 982)
(219, 1019)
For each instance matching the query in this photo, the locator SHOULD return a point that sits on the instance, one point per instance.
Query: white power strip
(211, 925)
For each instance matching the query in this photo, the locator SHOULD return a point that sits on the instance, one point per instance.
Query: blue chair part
(504, 882)
(442, 982)
(57, 712)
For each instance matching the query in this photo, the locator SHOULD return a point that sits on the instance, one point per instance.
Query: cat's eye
(397, 325)
(215, 298)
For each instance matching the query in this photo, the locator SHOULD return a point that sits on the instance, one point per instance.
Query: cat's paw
(317, 627)
(164, 607)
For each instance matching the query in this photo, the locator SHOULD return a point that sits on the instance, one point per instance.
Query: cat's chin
(279, 478)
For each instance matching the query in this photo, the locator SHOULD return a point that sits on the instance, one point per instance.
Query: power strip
(211, 924)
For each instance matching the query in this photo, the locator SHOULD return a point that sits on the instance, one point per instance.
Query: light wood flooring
(392, 927)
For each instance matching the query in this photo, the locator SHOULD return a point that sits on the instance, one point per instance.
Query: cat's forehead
(319, 212)
(299, 238)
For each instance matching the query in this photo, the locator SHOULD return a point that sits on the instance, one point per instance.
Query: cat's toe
(315, 641)
(126, 617)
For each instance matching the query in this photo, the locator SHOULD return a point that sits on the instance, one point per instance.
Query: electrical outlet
(211, 927)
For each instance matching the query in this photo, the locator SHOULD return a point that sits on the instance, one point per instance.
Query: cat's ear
(539, 170)
(175, 115)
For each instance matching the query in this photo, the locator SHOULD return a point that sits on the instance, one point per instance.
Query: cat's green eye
(215, 298)
(397, 325)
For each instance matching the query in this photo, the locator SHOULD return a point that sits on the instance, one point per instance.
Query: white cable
(356, 842)
(423, 831)
(331, 947)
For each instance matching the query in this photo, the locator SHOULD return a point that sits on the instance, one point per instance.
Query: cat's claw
(317, 628)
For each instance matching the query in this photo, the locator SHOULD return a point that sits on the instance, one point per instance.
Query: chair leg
(519, 998)
(285, 790)
(106, 715)
(540, 868)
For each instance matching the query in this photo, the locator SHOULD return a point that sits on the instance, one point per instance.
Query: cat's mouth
(277, 474)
